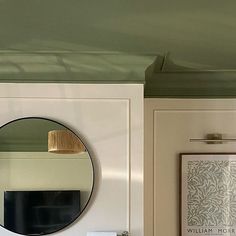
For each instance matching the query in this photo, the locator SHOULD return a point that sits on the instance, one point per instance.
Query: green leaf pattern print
(211, 198)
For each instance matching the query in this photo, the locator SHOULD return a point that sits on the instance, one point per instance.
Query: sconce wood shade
(64, 142)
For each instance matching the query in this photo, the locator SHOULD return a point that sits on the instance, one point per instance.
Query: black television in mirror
(40, 212)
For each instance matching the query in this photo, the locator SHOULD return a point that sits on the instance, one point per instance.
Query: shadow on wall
(163, 63)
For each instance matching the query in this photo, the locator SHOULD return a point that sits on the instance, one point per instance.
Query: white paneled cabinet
(109, 118)
(169, 124)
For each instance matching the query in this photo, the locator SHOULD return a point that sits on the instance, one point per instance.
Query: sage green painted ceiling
(197, 33)
(27, 135)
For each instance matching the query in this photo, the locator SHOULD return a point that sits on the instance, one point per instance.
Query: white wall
(109, 118)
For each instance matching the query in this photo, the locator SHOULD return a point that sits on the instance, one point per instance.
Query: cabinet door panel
(109, 120)
(169, 124)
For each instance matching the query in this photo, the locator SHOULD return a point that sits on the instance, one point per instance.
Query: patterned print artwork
(211, 193)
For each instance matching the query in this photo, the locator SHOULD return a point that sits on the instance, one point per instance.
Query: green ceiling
(115, 41)
(200, 33)
(27, 135)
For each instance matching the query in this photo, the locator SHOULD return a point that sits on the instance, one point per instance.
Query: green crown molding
(166, 78)
(73, 67)
(191, 84)
(74, 78)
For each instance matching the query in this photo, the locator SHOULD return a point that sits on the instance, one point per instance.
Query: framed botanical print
(208, 194)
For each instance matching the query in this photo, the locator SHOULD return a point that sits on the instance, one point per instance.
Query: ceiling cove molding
(73, 67)
(191, 84)
(75, 77)
(166, 78)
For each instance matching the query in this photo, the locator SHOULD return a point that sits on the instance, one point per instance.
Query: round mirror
(46, 176)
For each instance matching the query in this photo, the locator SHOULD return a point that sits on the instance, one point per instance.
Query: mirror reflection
(46, 176)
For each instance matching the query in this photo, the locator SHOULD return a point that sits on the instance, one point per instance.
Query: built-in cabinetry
(169, 124)
(109, 119)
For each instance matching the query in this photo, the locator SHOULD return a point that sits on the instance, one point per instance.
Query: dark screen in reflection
(40, 212)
